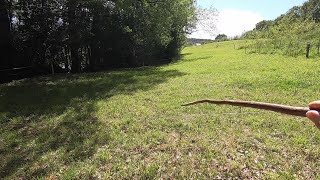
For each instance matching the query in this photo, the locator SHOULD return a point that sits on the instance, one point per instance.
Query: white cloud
(234, 22)
(201, 34)
(231, 22)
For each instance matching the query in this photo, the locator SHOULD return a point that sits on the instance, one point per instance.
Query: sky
(238, 16)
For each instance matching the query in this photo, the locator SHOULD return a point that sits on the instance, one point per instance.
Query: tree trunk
(94, 56)
(75, 60)
(74, 36)
(94, 47)
(43, 34)
(66, 59)
(5, 35)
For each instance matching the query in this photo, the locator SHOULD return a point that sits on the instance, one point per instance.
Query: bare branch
(291, 110)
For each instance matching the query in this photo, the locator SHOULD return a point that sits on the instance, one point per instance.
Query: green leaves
(78, 35)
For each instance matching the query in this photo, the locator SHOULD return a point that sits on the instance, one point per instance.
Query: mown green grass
(129, 124)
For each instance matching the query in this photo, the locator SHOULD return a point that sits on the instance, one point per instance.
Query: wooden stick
(291, 110)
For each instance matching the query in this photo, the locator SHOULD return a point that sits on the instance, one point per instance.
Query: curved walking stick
(284, 109)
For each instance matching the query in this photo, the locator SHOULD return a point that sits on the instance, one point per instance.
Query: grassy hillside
(129, 123)
(289, 33)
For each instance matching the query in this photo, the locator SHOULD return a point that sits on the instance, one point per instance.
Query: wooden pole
(308, 50)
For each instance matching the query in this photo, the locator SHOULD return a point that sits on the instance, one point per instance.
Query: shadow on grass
(47, 115)
(185, 54)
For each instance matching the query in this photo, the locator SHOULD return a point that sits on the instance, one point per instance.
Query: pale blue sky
(268, 9)
(238, 16)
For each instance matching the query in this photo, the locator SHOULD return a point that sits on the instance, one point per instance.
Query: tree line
(91, 35)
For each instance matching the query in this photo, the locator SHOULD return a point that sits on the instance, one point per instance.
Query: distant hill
(195, 41)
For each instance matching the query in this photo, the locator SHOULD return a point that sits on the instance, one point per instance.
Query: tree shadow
(185, 54)
(186, 58)
(49, 114)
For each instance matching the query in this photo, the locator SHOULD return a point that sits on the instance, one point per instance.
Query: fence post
(308, 50)
(245, 49)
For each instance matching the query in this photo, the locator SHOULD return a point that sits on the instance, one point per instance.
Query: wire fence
(291, 47)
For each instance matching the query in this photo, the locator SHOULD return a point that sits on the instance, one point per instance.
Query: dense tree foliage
(89, 35)
(289, 33)
(221, 37)
(263, 25)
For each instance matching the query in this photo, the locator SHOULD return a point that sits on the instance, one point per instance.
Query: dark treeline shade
(5, 45)
(89, 35)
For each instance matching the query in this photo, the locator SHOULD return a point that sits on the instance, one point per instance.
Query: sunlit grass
(129, 123)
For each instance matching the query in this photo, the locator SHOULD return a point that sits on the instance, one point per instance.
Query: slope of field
(129, 123)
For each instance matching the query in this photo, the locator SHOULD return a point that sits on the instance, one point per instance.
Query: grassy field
(129, 124)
